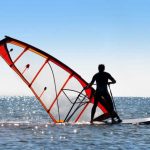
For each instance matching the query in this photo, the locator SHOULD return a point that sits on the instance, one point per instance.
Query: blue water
(24, 125)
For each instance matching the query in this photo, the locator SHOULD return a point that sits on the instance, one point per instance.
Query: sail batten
(46, 61)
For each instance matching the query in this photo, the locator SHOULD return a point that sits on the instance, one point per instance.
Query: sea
(24, 124)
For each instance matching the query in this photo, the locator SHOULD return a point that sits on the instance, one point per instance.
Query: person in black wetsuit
(102, 95)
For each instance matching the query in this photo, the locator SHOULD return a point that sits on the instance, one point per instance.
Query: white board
(127, 121)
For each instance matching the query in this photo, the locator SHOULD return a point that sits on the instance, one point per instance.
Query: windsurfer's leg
(94, 109)
(111, 108)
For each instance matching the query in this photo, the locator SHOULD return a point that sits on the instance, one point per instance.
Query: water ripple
(25, 125)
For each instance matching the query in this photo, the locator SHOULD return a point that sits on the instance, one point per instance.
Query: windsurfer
(102, 95)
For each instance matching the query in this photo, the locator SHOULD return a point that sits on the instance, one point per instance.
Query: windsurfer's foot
(119, 120)
(116, 121)
(113, 121)
(91, 121)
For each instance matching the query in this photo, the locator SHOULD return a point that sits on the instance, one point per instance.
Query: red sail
(58, 88)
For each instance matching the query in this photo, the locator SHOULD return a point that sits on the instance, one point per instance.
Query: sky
(83, 34)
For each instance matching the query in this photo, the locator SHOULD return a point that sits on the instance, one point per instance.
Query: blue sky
(83, 34)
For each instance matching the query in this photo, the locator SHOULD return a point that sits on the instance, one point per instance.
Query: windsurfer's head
(101, 68)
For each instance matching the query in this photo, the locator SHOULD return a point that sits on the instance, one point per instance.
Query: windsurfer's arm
(112, 80)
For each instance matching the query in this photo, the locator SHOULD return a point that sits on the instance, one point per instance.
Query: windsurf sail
(59, 89)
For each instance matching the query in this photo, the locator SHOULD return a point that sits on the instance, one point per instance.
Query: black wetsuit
(102, 94)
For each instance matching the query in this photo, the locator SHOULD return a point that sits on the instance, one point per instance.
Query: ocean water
(25, 125)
